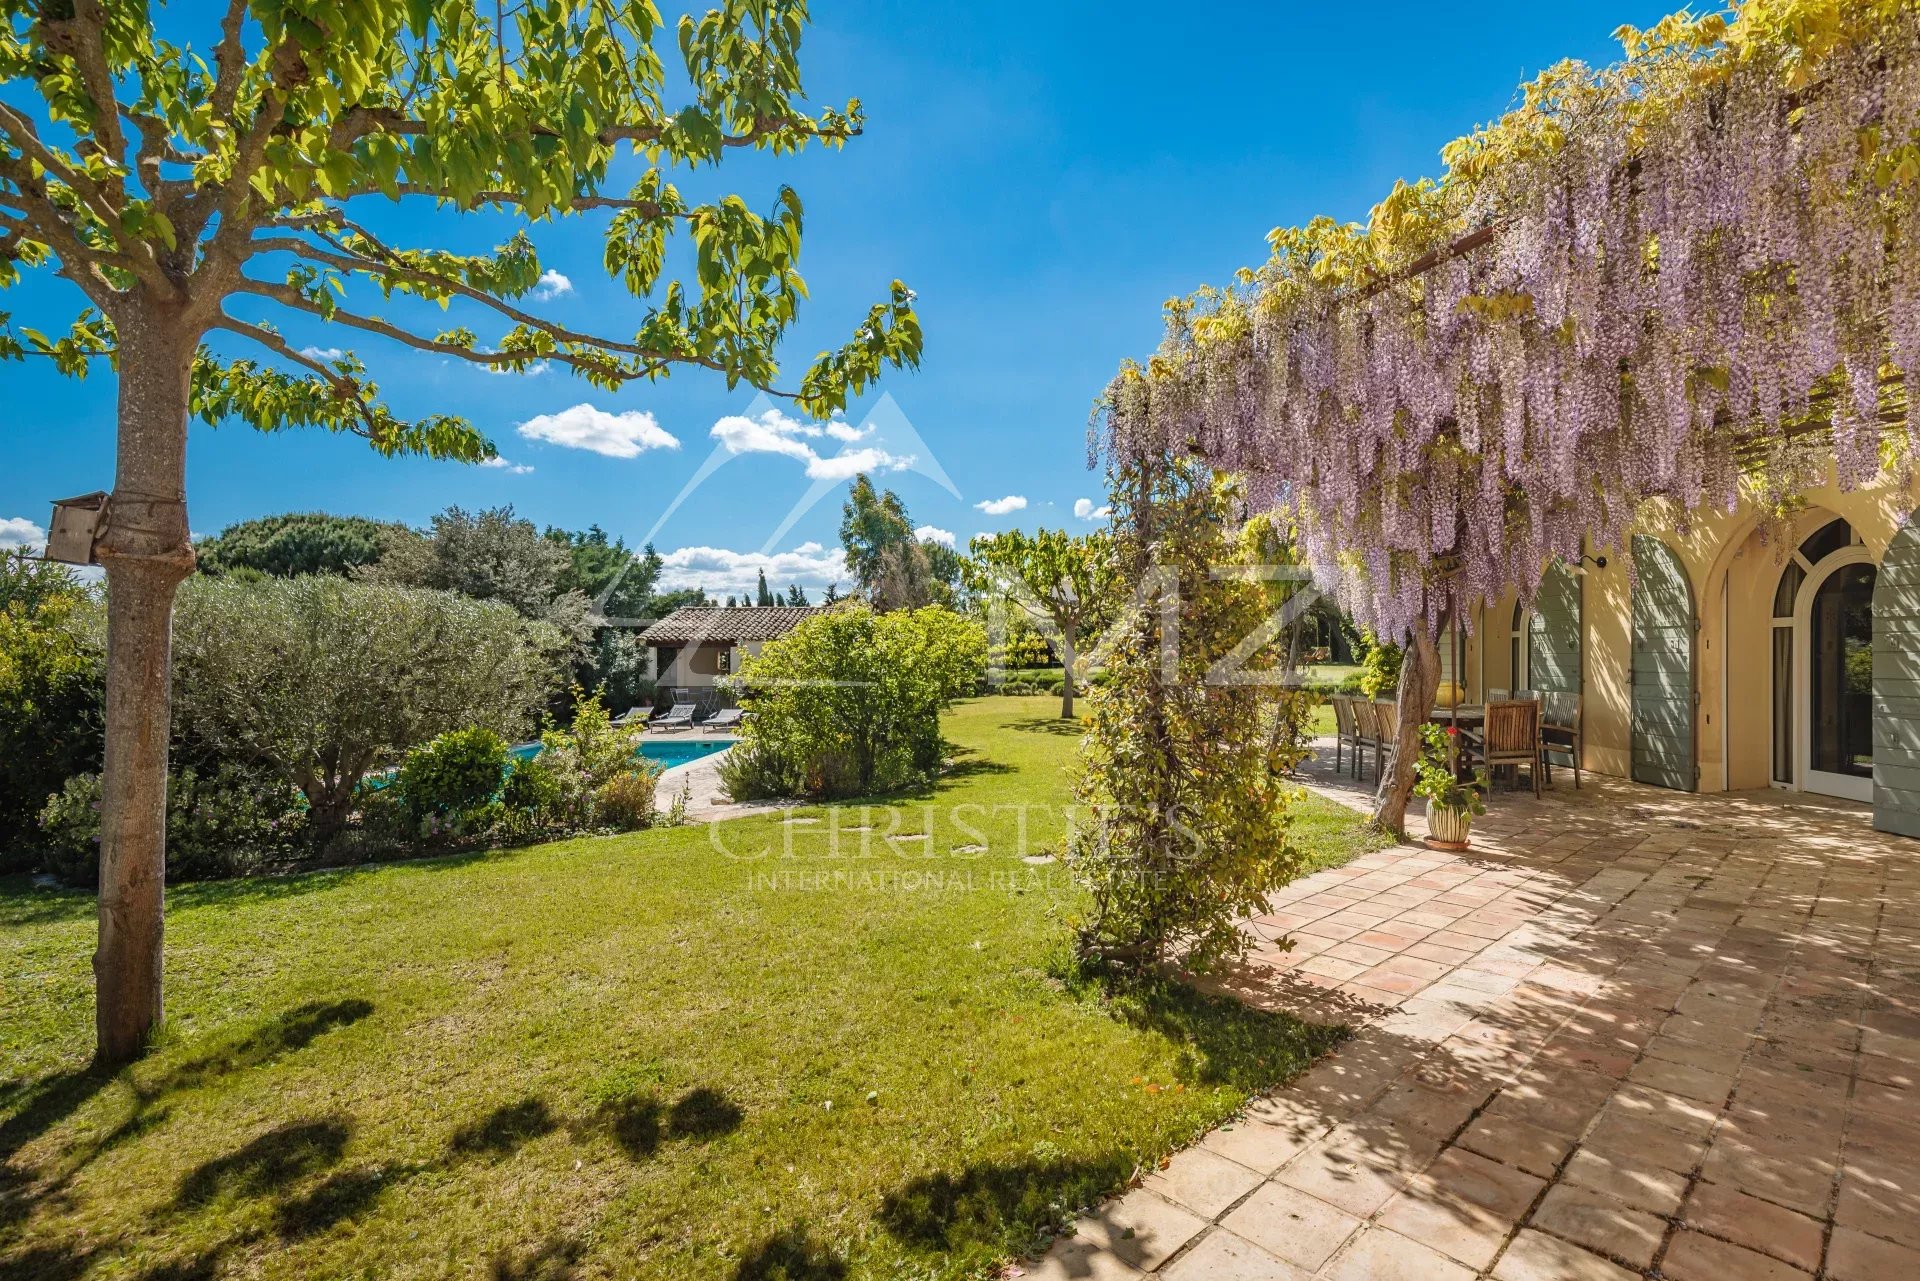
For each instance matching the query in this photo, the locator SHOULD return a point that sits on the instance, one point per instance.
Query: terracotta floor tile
(1291, 1225)
(1535, 1256)
(1600, 1223)
(1692, 1257)
(1381, 1255)
(1222, 1256)
(1855, 1256)
(1203, 1181)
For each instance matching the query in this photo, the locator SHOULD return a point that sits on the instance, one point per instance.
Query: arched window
(1834, 536)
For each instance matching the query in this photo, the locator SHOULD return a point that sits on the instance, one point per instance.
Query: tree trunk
(1068, 651)
(1419, 682)
(147, 553)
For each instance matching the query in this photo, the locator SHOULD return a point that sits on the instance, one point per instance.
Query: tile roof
(719, 624)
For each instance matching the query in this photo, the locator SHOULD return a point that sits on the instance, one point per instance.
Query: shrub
(1380, 668)
(453, 776)
(584, 757)
(1187, 803)
(531, 790)
(324, 678)
(625, 801)
(849, 702)
(51, 695)
(222, 820)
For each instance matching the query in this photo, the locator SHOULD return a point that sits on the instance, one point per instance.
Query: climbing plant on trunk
(191, 194)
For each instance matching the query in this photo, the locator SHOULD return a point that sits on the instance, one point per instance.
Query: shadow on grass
(791, 1255)
(24, 903)
(268, 1164)
(551, 1260)
(1060, 726)
(996, 1205)
(505, 1130)
(638, 1123)
(293, 1030)
(1219, 1040)
(335, 1199)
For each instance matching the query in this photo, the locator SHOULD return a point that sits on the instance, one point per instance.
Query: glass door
(1840, 684)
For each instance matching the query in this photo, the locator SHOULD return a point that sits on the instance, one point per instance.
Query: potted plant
(1451, 803)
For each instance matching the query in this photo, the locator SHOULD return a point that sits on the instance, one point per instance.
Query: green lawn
(768, 1053)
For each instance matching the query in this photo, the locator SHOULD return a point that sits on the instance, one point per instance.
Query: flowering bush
(583, 758)
(1434, 776)
(1696, 269)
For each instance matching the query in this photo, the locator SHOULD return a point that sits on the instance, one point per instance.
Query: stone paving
(1631, 1034)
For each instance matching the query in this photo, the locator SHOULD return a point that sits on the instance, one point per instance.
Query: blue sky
(1043, 176)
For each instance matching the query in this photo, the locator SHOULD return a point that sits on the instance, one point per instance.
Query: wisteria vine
(1698, 272)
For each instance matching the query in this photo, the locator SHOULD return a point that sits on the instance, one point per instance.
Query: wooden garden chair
(1346, 730)
(1560, 731)
(1366, 733)
(1386, 719)
(1512, 737)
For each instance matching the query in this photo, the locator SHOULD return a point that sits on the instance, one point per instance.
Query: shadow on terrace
(1675, 1032)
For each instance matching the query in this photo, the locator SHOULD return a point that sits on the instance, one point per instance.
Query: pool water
(663, 752)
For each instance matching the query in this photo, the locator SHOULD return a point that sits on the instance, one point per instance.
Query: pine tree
(764, 596)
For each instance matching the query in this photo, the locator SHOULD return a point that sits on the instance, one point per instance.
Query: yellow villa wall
(1734, 574)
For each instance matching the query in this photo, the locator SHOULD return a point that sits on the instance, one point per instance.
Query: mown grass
(779, 1049)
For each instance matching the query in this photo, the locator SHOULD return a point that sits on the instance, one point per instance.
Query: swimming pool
(667, 753)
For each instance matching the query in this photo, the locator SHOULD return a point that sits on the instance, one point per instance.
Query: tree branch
(82, 38)
(347, 388)
(289, 297)
(229, 59)
(345, 260)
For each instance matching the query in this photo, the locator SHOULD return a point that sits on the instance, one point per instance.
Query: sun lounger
(725, 718)
(680, 716)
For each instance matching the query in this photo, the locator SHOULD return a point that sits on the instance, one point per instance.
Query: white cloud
(534, 370)
(624, 435)
(552, 285)
(776, 433)
(850, 462)
(512, 469)
(322, 353)
(931, 534)
(1085, 510)
(1001, 506)
(17, 533)
(847, 431)
(721, 571)
(771, 433)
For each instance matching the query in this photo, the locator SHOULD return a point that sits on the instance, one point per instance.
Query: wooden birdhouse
(76, 527)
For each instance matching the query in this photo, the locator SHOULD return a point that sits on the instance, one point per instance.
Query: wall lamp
(1580, 566)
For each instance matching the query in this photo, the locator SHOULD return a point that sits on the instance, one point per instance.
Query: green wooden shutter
(1896, 686)
(1553, 634)
(1662, 702)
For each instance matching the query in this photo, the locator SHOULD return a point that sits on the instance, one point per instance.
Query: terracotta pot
(1448, 827)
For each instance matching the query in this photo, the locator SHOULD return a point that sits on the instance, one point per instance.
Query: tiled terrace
(1633, 1033)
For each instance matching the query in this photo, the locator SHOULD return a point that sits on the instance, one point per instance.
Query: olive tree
(192, 192)
(323, 678)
